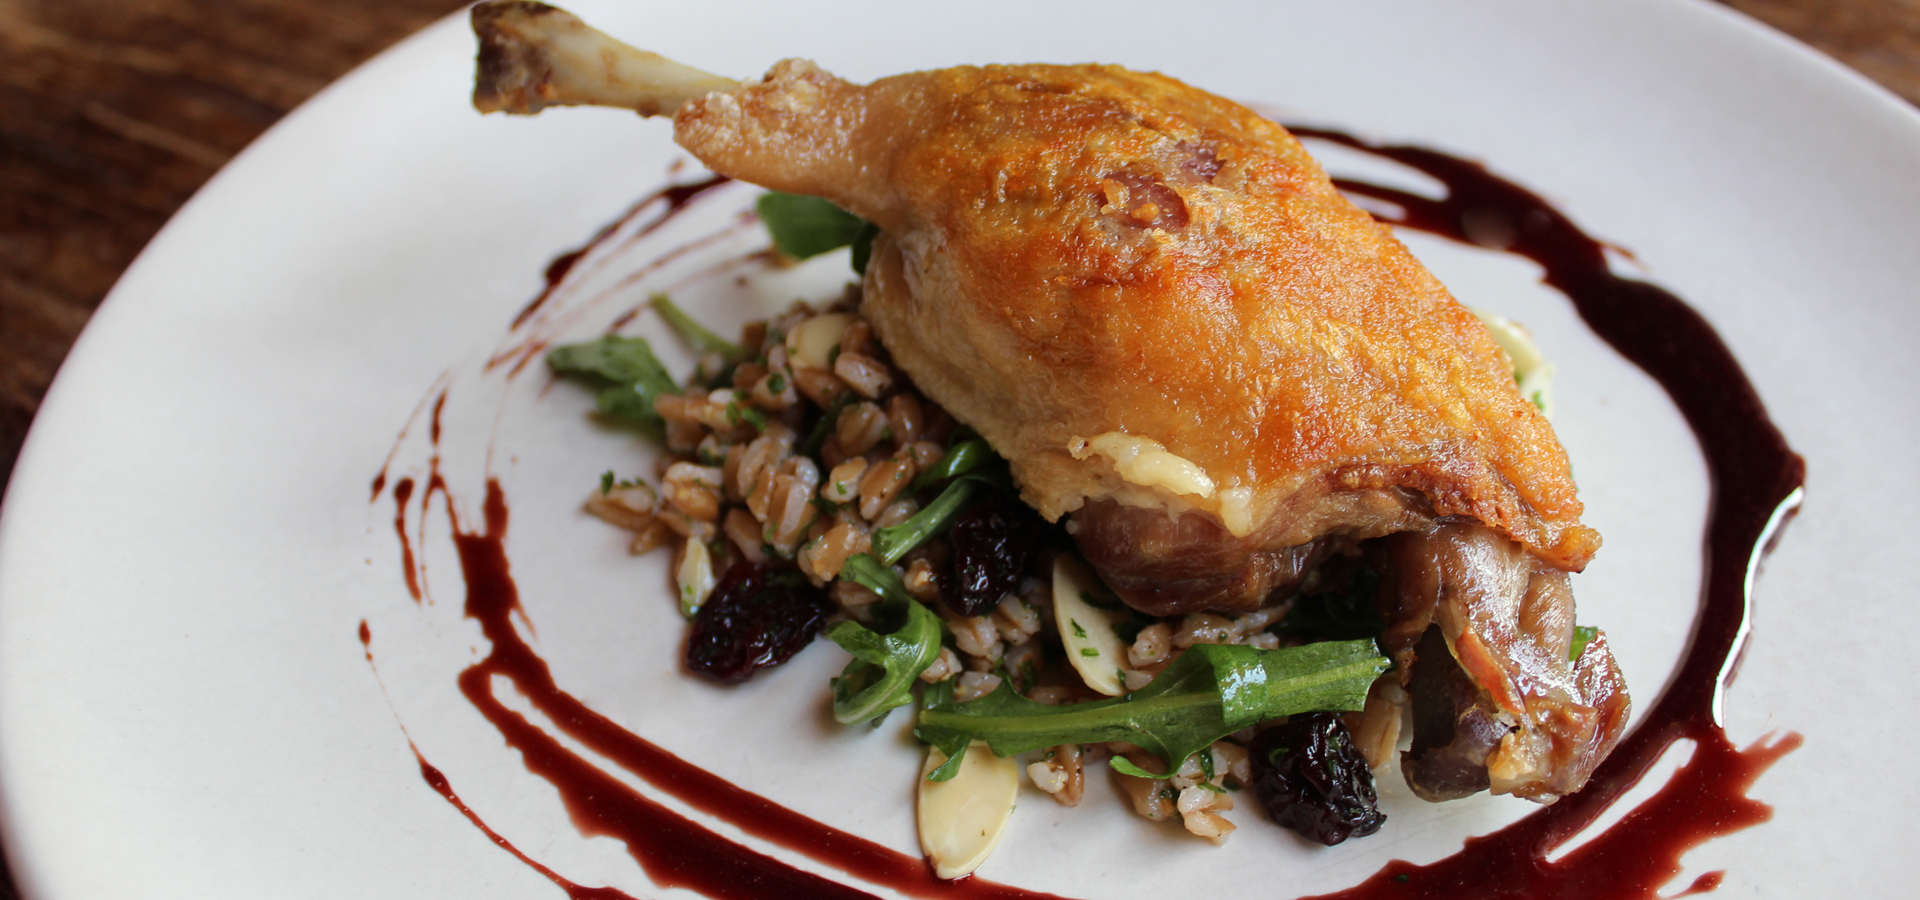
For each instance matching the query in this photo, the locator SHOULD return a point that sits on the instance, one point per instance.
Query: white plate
(189, 550)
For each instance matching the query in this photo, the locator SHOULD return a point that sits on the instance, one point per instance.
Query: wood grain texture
(1880, 38)
(113, 112)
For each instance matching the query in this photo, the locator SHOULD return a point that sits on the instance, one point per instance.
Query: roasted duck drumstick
(1189, 345)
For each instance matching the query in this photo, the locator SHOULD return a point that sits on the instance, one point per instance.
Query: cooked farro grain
(1151, 798)
(790, 509)
(906, 418)
(1262, 641)
(628, 506)
(744, 531)
(746, 375)
(883, 482)
(925, 454)
(1230, 760)
(1054, 695)
(920, 581)
(896, 512)
(693, 489)
(686, 526)
(651, 538)
(860, 427)
(856, 601)
(856, 338)
(818, 385)
(975, 636)
(823, 557)
(1015, 620)
(1152, 646)
(1060, 774)
(1259, 620)
(1204, 628)
(945, 666)
(775, 390)
(974, 685)
(843, 483)
(863, 373)
(1200, 810)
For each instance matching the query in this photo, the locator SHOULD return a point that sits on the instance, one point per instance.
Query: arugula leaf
(824, 427)
(1582, 636)
(804, 226)
(1345, 613)
(863, 246)
(895, 541)
(884, 665)
(736, 413)
(959, 459)
(695, 334)
(614, 360)
(626, 371)
(1211, 691)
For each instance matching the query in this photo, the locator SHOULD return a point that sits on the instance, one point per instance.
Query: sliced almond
(811, 343)
(1087, 631)
(962, 819)
(693, 575)
(1531, 371)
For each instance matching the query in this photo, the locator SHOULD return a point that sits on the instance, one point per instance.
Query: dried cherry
(758, 616)
(1312, 779)
(992, 544)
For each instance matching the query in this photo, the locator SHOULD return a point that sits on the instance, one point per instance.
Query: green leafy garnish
(959, 459)
(695, 334)
(1346, 613)
(1125, 766)
(629, 376)
(607, 482)
(1582, 636)
(1211, 691)
(615, 359)
(754, 417)
(885, 663)
(863, 246)
(894, 541)
(804, 226)
(824, 427)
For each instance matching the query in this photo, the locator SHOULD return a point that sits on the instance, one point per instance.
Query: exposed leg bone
(1481, 632)
(533, 56)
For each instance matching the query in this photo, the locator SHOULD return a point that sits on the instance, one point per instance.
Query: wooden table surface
(114, 112)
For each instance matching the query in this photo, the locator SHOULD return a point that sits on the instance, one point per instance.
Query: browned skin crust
(1250, 319)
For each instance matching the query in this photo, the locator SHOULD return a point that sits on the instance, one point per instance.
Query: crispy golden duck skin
(1157, 307)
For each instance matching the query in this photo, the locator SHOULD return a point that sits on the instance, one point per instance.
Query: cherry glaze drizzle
(1756, 480)
(402, 495)
(672, 200)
